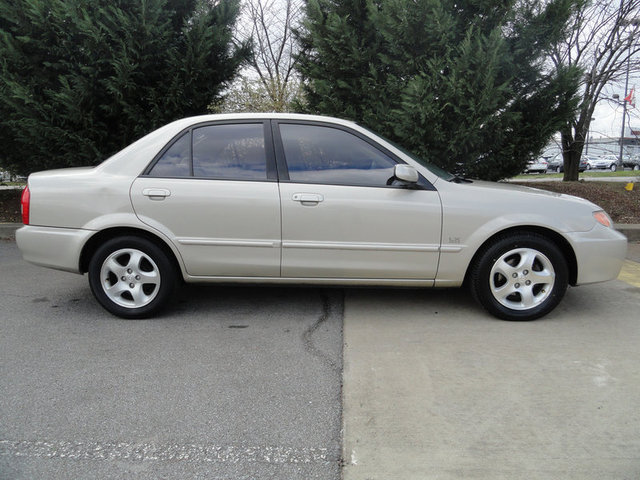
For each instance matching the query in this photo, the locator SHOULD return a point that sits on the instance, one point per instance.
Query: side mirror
(405, 173)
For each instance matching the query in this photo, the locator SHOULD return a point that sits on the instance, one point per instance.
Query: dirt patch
(10, 206)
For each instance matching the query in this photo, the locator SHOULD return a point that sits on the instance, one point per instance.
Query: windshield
(440, 172)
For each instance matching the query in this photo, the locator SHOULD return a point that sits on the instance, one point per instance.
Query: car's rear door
(213, 191)
(340, 219)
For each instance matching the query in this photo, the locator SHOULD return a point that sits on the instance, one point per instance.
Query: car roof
(263, 116)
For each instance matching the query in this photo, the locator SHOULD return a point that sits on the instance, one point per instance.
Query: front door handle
(307, 198)
(156, 193)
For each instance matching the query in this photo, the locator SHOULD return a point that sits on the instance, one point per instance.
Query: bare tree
(270, 25)
(602, 40)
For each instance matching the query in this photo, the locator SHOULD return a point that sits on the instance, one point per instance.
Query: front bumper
(51, 247)
(600, 254)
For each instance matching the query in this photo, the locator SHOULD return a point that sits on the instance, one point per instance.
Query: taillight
(24, 204)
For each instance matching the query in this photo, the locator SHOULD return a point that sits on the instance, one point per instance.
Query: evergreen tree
(81, 79)
(461, 84)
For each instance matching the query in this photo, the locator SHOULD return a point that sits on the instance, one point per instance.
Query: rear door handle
(307, 198)
(156, 193)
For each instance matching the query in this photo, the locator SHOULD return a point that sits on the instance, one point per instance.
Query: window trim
(283, 170)
(270, 158)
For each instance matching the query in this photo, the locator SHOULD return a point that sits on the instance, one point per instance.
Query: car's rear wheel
(520, 276)
(131, 277)
(636, 167)
(613, 167)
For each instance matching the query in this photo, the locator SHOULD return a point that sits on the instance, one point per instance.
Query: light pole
(635, 22)
(588, 133)
(624, 109)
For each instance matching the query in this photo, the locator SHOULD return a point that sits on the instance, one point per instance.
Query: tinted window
(176, 161)
(230, 151)
(328, 155)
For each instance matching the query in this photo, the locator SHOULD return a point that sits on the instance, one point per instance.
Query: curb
(631, 231)
(8, 230)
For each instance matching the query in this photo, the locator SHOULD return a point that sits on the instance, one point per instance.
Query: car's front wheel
(520, 276)
(613, 167)
(131, 277)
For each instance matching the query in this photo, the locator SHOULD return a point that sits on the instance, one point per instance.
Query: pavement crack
(329, 309)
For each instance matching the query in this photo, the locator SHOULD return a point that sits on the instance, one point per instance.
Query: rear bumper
(57, 248)
(600, 254)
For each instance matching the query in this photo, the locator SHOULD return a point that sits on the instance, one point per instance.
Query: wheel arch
(102, 236)
(551, 235)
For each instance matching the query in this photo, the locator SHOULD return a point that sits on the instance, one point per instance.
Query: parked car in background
(632, 162)
(298, 199)
(607, 162)
(556, 164)
(10, 177)
(538, 165)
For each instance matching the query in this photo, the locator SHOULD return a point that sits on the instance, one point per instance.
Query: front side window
(317, 154)
(235, 152)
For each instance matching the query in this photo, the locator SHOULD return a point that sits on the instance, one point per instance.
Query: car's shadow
(240, 300)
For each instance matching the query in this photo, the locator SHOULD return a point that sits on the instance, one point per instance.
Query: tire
(588, 167)
(519, 277)
(636, 167)
(131, 277)
(613, 167)
(558, 169)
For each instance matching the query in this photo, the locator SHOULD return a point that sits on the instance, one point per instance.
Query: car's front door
(213, 191)
(340, 219)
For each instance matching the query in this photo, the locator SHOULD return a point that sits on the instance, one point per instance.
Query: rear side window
(176, 161)
(229, 151)
(318, 154)
(235, 152)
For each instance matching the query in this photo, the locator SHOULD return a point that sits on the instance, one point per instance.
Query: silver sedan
(296, 199)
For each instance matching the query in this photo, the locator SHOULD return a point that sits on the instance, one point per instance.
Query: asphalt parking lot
(249, 383)
(230, 384)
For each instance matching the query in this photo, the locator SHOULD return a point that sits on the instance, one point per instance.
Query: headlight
(602, 218)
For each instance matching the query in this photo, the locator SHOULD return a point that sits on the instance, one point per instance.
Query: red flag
(629, 98)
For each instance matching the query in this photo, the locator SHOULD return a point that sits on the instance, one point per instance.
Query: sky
(607, 116)
(608, 113)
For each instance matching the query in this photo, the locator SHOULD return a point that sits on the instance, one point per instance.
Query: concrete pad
(434, 388)
(630, 273)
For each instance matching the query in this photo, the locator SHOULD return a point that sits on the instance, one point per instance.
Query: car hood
(530, 191)
(505, 205)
